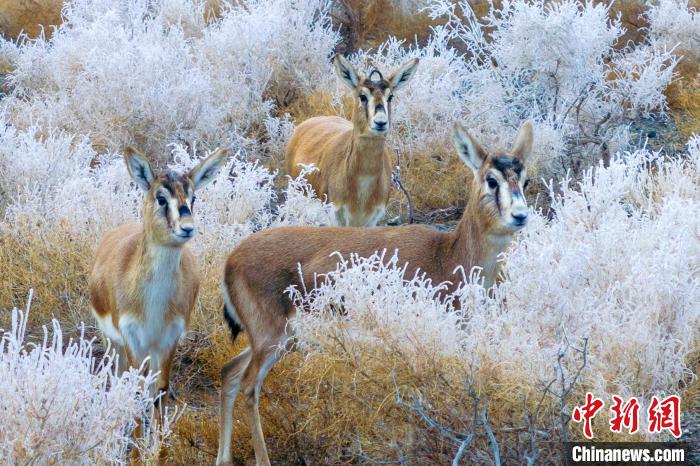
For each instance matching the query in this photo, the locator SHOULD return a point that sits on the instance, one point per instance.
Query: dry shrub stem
(396, 178)
(461, 439)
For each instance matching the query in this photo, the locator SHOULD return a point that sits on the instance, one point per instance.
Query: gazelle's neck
(156, 260)
(366, 150)
(472, 243)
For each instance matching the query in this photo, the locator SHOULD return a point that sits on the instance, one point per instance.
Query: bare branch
(396, 178)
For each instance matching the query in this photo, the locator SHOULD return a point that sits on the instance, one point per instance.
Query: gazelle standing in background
(264, 265)
(353, 160)
(145, 280)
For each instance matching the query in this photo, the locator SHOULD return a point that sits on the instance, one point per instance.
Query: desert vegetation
(599, 292)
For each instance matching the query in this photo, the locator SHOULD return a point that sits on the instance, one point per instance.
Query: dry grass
(684, 101)
(319, 103)
(366, 24)
(631, 15)
(29, 16)
(684, 94)
(435, 179)
(52, 262)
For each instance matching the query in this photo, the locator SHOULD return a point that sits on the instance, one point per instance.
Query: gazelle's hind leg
(231, 375)
(123, 364)
(253, 377)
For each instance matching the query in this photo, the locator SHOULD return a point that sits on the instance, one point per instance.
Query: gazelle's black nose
(519, 219)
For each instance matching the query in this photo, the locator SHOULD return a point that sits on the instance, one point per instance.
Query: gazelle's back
(316, 140)
(268, 261)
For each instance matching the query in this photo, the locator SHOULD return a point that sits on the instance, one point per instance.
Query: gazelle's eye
(391, 97)
(192, 203)
(363, 98)
(493, 184)
(526, 184)
(161, 200)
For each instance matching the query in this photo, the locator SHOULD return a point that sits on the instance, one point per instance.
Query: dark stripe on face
(168, 185)
(504, 163)
(184, 211)
(373, 86)
(498, 199)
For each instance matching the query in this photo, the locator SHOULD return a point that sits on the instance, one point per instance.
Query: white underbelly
(361, 218)
(143, 339)
(108, 328)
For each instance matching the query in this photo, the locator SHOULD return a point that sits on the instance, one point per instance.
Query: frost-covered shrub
(63, 405)
(383, 307)
(619, 227)
(54, 181)
(50, 180)
(285, 44)
(675, 25)
(154, 73)
(558, 63)
(555, 62)
(301, 206)
(572, 278)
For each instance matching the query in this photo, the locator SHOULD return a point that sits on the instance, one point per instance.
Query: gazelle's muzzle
(184, 228)
(380, 120)
(518, 211)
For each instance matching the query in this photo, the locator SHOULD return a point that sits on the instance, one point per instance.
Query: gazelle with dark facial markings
(145, 280)
(264, 265)
(353, 160)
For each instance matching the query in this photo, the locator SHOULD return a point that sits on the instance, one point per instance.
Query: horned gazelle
(145, 279)
(353, 160)
(264, 265)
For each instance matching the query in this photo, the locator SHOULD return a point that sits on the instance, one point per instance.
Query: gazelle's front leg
(342, 216)
(161, 391)
(377, 216)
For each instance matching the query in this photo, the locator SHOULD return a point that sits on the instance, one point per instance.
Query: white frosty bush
(383, 308)
(54, 181)
(301, 206)
(62, 405)
(154, 73)
(617, 265)
(555, 62)
(49, 180)
(675, 24)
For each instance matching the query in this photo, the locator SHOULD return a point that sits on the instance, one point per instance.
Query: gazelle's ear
(468, 149)
(401, 76)
(523, 143)
(206, 171)
(139, 168)
(346, 72)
